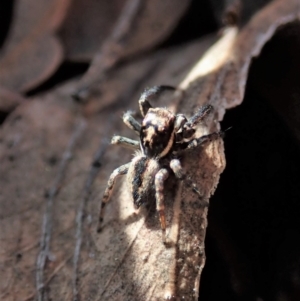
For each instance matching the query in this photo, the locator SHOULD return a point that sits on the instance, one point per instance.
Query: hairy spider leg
(160, 178)
(188, 128)
(120, 171)
(200, 115)
(129, 120)
(151, 94)
(180, 174)
(126, 142)
(204, 139)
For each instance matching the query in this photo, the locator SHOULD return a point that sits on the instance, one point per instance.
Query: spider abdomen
(140, 177)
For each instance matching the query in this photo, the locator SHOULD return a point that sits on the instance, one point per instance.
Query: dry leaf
(249, 43)
(31, 52)
(87, 25)
(55, 189)
(142, 24)
(50, 160)
(9, 100)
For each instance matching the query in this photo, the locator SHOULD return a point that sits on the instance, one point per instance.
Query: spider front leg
(126, 142)
(204, 139)
(129, 120)
(120, 171)
(185, 129)
(151, 94)
(160, 179)
(180, 174)
(199, 116)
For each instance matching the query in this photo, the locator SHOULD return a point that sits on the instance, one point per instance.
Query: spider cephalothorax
(157, 132)
(163, 135)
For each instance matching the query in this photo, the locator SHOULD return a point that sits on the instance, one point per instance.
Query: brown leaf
(9, 100)
(32, 52)
(142, 24)
(39, 230)
(49, 252)
(250, 42)
(87, 25)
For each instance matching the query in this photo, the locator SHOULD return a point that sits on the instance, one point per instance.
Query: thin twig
(96, 164)
(56, 270)
(111, 51)
(47, 219)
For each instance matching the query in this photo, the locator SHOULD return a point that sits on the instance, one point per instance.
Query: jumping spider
(163, 136)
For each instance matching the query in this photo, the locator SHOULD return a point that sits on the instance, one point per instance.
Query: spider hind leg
(176, 167)
(160, 179)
